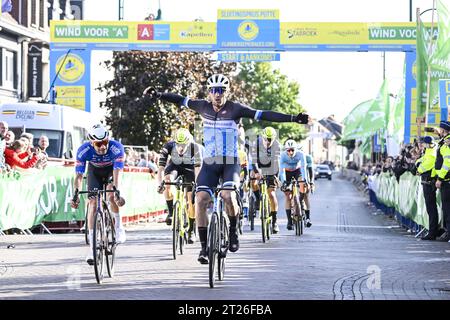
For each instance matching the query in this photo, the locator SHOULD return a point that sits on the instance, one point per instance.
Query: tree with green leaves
(138, 123)
(272, 91)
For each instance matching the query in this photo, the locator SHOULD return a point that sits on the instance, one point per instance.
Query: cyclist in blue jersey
(309, 189)
(221, 136)
(106, 160)
(292, 165)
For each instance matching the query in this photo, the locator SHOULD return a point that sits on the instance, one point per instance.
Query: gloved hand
(120, 201)
(151, 92)
(284, 187)
(160, 189)
(302, 118)
(75, 200)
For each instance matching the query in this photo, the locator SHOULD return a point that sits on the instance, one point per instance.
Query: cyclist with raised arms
(186, 160)
(265, 162)
(220, 134)
(106, 160)
(292, 165)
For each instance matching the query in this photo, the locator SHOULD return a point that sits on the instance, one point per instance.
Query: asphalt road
(349, 253)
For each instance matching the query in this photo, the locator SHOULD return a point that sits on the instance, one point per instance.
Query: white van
(65, 127)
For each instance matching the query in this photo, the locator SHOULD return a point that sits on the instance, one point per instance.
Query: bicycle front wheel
(98, 240)
(213, 249)
(86, 227)
(263, 224)
(224, 242)
(175, 229)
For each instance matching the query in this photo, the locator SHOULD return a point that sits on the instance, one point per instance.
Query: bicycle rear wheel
(213, 248)
(224, 241)
(98, 246)
(110, 243)
(175, 229)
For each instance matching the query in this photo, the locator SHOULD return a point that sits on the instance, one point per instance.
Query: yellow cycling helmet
(269, 133)
(183, 136)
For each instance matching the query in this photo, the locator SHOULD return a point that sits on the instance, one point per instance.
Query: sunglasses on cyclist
(219, 90)
(99, 144)
(290, 150)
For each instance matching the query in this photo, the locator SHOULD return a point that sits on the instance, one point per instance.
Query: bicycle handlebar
(96, 191)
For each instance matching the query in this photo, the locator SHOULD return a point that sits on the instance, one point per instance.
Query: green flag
(377, 116)
(433, 59)
(366, 146)
(396, 122)
(421, 67)
(440, 58)
(352, 123)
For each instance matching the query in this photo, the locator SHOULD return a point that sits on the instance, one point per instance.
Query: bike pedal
(223, 253)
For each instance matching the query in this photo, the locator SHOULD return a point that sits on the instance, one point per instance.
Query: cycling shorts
(211, 172)
(187, 171)
(97, 177)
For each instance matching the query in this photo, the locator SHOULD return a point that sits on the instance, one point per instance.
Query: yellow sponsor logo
(248, 30)
(72, 68)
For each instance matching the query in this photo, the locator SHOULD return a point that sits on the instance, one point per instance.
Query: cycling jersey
(220, 129)
(265, 161)
(114, 157)
(192, 157)
(297, 161)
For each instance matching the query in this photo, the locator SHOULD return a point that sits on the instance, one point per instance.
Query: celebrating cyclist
(185, 160)
(292, 165)
(220, 134)
(265, 162)
(105, 158)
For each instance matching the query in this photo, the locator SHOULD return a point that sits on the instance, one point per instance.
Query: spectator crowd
(20, 154)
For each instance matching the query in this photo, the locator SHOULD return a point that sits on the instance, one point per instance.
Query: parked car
(323, 171)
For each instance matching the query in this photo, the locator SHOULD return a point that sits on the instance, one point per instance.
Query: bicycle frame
(296, 213)
(102, 246)
(180, 214)
(218, 237)
(264, 210)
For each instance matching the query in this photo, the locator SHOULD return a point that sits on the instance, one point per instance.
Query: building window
(42, 18)
(33, 12)
(9, 68)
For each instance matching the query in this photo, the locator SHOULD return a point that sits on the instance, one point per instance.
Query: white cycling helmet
(98, 133)
(290, 144)
(218, 80)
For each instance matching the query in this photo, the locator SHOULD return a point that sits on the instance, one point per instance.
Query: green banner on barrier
(46, 195)
(406, 196)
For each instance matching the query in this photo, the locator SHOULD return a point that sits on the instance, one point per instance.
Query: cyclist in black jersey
(220, 135)
(185, 159)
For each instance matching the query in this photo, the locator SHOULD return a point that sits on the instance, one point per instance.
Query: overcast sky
(330, 82)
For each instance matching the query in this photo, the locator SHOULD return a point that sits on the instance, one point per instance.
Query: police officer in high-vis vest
(425, 168)
(442, 167)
